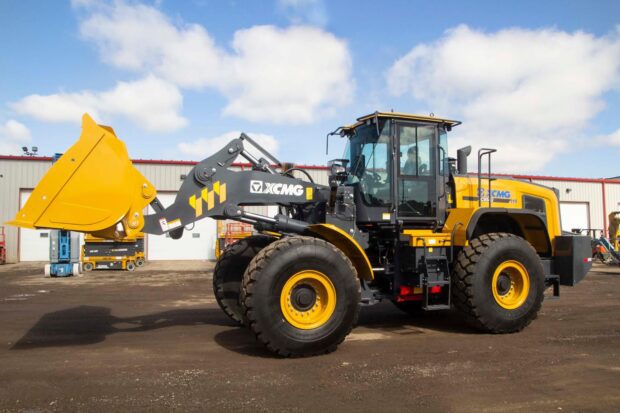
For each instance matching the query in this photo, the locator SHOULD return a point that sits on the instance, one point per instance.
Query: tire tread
(251, 276)
(463, 279)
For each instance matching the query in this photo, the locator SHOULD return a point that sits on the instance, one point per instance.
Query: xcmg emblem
(495, 193)
(261, 187)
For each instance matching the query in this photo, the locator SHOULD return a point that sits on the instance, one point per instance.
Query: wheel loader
(399, 221)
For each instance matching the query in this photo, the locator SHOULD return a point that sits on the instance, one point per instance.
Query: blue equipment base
(61, 270)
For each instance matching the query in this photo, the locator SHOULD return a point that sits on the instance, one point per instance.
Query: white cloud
(141, 38)
(612, 139)
(13, 135)
(529, 93)
(83, 3)
(271, 74)
(304, 11)
(153, 104)
(287, 75)
(203, 147)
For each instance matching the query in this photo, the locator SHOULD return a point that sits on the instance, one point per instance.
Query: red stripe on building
(324, 168)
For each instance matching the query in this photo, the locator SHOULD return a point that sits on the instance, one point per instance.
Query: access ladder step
(433, 307)
(436, 274)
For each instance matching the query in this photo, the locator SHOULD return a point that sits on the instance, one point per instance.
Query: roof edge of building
(318, 167)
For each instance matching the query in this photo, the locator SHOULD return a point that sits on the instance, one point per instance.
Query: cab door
(416, 171)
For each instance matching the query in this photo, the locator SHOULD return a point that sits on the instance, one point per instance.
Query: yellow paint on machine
(467, 191)
(348, 246)
(323, 307)
(208, 196)
(98, 163)
(222, 193)
(509, 201)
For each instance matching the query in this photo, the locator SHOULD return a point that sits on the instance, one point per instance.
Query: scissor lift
(64, 254)
(104, 254)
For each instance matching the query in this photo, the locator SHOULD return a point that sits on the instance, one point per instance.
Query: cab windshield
(368, 153)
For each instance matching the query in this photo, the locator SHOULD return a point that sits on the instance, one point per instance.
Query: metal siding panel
(612, 195)
(164, 177)
(589, 192)
(16, 175)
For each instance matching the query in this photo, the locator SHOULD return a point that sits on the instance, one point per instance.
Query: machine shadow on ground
(87, 325)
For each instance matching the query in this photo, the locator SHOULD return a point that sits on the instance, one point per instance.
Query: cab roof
(400, 116)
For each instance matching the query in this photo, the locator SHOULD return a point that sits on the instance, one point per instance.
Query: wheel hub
(303, 297)
(510, 284)
(308, 299)
(503, 284)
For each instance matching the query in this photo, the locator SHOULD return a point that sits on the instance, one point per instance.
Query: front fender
(345, 243)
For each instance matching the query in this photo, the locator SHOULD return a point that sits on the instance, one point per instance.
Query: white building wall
(612, 197)
(573, 191)
(16, 175)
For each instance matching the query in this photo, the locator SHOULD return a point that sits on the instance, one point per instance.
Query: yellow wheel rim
(308, 299)
(510, 284)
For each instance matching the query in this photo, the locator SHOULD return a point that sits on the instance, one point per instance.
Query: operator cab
(398, 166)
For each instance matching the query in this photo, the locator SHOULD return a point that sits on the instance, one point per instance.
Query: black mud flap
(572, 259)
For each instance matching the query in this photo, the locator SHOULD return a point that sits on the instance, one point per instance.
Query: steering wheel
(370, 180)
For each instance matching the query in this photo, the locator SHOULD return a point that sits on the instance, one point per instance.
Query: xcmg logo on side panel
(484, 193)
(261, 187)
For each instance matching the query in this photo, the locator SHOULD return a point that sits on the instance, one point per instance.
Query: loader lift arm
(94, 188)
(213, 190)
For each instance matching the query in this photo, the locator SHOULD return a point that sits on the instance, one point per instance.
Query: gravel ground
(155, 340)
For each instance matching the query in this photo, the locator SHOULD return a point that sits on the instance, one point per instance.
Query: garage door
(34, 245)
(575, 215)
(197, 244)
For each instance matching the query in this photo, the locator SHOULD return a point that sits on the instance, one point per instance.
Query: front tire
(229, 271)
(301, 296)
(498, 283)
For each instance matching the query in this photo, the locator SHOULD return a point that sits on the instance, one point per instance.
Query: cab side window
(415, 150)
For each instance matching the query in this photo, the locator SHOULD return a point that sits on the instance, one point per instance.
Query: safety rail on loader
(395, 223)
(482, 152)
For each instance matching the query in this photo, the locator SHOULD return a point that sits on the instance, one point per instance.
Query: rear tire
(229, 271)
(130, 266)
(87, 266)
(498, 283)
(301, 296)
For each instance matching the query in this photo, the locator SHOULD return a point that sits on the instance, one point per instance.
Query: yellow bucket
(93, 188)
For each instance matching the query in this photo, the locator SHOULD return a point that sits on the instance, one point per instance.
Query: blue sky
(538, 80)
